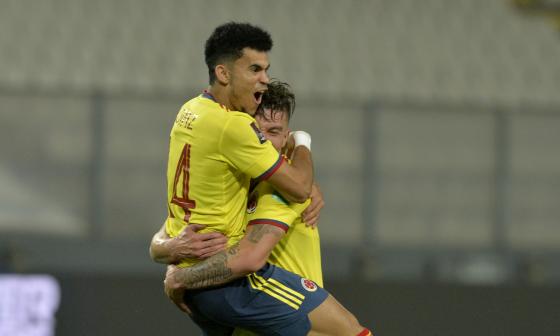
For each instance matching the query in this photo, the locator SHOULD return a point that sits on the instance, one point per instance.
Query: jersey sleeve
(273, 209)
(244, 145)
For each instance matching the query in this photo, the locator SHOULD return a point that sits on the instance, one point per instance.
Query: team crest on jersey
(308, 285)
(260, 134)
(252, 203)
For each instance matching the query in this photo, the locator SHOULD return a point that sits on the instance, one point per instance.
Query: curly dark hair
(228, 40)
(279, 98)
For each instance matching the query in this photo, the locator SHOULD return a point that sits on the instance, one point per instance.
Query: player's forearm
(294, 181)
(301, 160)
(216, 270)
(247, 256)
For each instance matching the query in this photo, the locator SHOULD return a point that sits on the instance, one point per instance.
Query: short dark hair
(279, 98)
(228, 40)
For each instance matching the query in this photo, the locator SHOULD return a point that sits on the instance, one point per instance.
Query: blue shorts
(271, 301)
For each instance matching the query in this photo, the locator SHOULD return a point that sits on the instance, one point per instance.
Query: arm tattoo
(214, 271)
(210, 272)
(258, 231)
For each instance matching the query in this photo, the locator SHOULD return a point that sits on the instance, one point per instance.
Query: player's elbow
(256, 265)
(157, 255)
(301, 194)
(252, 264)
(154, 255)
(306, 193)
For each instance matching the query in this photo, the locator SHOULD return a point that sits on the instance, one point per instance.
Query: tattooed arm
(247, 256)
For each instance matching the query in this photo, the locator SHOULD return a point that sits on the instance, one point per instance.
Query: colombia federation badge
(308, 285)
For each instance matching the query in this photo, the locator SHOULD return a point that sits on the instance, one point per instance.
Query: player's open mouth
(258, 97)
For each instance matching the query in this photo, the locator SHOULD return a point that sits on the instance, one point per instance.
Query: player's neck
(220, 95)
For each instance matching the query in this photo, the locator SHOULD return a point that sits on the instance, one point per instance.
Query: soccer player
(215, 149)
(294, 246)
(298, 250)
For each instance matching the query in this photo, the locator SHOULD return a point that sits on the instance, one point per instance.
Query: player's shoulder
(202, 104)
(267, 194)
(238, 118)
(242, 124)
(241, 115)
(206, 111)
(219, 111)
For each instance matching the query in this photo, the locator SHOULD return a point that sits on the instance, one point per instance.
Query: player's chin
(251, 108)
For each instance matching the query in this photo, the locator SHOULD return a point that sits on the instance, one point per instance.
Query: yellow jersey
(299, 250)
(213, 154)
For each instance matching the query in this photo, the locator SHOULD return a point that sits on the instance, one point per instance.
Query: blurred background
(436, 141)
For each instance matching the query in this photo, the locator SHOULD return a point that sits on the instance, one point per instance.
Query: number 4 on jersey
(183, 170)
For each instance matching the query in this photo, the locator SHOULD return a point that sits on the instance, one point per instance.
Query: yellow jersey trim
(281, 293)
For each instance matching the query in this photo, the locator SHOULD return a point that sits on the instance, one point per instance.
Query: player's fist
(301, 138)
(297, 138)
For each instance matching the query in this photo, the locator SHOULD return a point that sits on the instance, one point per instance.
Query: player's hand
(310, 216)
(191, 244)
(289, 147)
(174, 288)
(296, 138)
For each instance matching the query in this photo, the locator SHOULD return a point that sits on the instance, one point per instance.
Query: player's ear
(222, 74)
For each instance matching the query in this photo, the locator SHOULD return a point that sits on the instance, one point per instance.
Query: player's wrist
(301, 138)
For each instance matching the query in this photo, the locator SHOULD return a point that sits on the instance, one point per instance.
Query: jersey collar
(208, 95)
